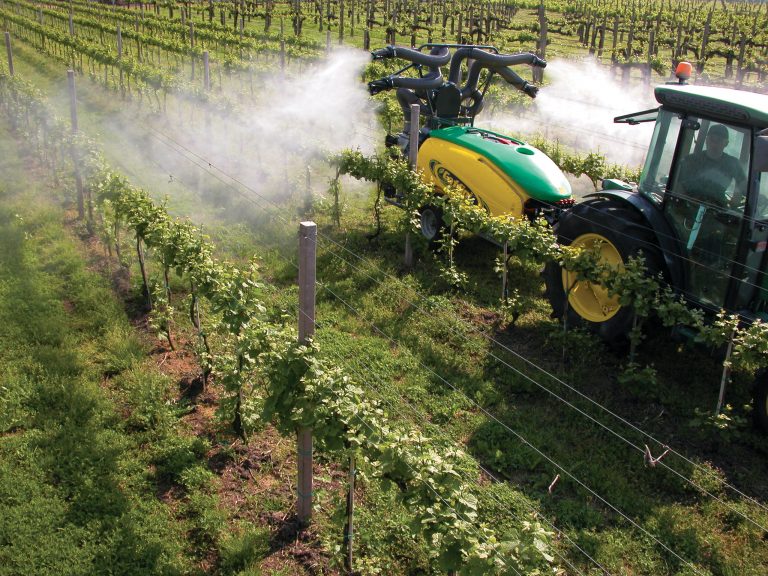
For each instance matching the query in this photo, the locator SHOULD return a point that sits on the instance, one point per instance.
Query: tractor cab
(705, 178)
(698, 216)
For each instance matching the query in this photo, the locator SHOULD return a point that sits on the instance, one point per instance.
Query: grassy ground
(76, 485)
(436, 368)
(111, 459)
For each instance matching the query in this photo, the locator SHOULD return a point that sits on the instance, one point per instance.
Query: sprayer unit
(504, 175)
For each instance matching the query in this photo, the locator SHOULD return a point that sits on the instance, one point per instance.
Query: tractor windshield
(697, 171)
(658, 163)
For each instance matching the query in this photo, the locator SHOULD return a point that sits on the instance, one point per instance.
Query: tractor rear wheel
(617, 231)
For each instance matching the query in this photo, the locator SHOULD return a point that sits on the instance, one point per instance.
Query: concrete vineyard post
(307, 278)
(413, 152)
(71, 23)
(75, 160)
(9, 52)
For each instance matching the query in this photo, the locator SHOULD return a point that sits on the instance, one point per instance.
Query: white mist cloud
(292, 121)
(577, 106)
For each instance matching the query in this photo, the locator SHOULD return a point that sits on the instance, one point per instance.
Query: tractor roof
(723, 104)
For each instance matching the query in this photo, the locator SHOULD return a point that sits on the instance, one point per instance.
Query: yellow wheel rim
(591, 301)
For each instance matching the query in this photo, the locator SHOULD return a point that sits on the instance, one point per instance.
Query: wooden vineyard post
(242, 33)
(120, 53)
(349, 533)
(75, 160)
(541, 48)
(413, 136)
(9, 52)
(327, 41)
(505, 274)
(206, 71)
(307, 277)
(71, 23)
(726, 374)
(413, 153)
(366, 39)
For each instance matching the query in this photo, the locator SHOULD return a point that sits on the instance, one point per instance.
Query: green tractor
(698, 216)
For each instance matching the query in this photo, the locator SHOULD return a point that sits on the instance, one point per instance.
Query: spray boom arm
(424, 90)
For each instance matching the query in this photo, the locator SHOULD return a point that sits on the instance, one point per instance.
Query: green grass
(715, 539)
(76, 495)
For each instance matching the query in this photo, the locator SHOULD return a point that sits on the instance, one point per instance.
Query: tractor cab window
(751, 290)
(761, 212)
(658, 163)
(705, 202)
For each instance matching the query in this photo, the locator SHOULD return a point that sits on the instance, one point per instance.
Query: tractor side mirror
(761, 152)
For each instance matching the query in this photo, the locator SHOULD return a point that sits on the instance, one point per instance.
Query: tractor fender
(656, 223)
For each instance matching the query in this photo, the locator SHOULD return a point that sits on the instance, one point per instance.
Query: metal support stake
(9, 51)
(307, 280)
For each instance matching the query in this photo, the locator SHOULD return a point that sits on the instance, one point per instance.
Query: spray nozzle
(530, 89)
(376, 86)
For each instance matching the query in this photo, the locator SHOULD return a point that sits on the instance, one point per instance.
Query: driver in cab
(706, 175)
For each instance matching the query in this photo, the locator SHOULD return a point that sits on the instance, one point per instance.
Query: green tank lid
(529, 167)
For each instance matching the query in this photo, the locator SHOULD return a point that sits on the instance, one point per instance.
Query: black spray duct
(436, 97)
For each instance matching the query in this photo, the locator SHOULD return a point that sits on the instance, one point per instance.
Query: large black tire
(625, 233)
(760, 402)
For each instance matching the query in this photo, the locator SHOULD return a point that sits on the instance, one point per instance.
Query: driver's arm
(740, 186)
